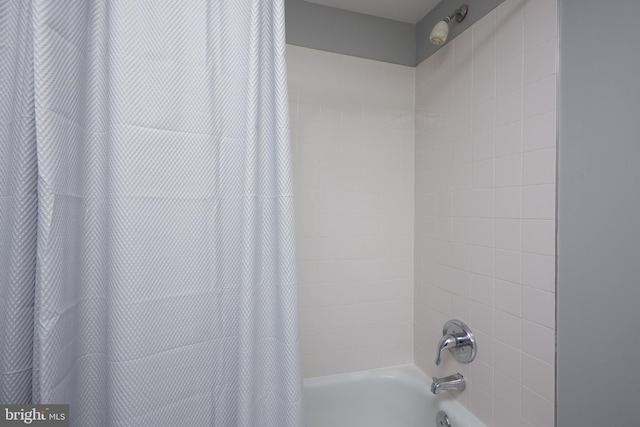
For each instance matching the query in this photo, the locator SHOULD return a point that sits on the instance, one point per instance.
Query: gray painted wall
(365, 36)
(350, 33)
(598, 359)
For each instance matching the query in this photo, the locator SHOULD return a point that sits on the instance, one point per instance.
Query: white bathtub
(391, 397)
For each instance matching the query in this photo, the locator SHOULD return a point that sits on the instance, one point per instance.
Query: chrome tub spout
(453, 382)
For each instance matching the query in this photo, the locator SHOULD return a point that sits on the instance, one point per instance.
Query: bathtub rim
(410, 375)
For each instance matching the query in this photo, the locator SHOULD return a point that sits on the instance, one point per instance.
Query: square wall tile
(507, 360)
(539, 306)
(538, 341)
(538, 376)
(539, 167)
(540, 96)
(536, 409)
(508, 297)
(509, 75)
(540, 131)
(538, 236)
(540, 61)
(508, 234)
(539, 271)
(508, 202)
(540, 23)
(508, 328)
(507, 392)
(539, 201)
(508, 265)
(508, 171)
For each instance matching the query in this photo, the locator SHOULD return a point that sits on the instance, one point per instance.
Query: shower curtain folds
(147, 263)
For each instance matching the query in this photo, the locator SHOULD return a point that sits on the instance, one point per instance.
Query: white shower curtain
(146, 212)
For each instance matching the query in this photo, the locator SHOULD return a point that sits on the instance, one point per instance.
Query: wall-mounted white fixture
(440, 32)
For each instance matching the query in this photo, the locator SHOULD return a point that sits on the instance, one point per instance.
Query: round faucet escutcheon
(459, 340)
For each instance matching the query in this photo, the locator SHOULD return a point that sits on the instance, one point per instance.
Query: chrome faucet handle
(459, 340)
(447, 342)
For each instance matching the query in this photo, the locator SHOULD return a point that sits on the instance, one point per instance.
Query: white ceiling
(400, 10)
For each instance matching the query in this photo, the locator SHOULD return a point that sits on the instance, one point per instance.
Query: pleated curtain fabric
(146, 212)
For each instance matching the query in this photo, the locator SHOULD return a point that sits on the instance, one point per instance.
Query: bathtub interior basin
(389, 397)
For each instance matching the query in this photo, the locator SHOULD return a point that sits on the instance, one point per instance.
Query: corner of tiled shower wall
(352, 123)
(485, 209)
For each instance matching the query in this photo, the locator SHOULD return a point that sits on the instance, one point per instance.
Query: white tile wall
(352, 124)
(498, 188)
(484, 123)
